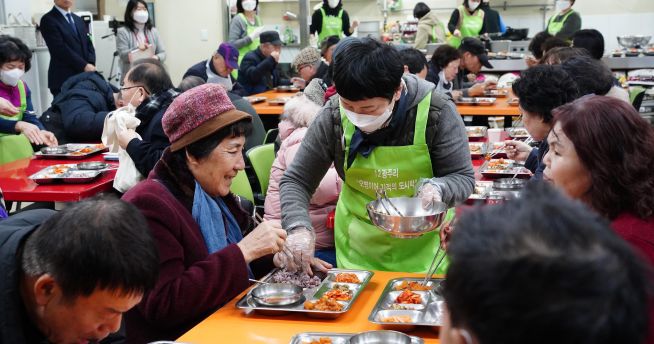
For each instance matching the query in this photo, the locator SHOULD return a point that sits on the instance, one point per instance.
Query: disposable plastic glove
(298, 251)
(256, 33)
(430, 191)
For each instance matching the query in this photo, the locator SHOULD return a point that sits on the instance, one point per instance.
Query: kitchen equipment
(633, 41)
(415, 222)
(276, 294)
(369, 29)
(500, 45)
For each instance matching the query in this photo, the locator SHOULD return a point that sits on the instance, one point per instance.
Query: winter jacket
(84, 102)
(324, 198)
(322, 147)
(258, 73)
(200, 70)
(192, 283)
(146, 152)
(426, 26)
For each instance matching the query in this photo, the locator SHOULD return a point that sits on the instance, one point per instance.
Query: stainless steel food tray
(509, 172)
(64, 173)
(428, 313)
(481, 101)
(337, 338)
(483, 149)
(248, 304)
(74, 151)
(476, 132)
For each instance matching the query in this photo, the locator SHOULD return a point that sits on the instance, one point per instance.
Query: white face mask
(11, 77)
(249, 5)
(141, 16)
(333, 3)
(369, 123)
(472, 5)
(562, 5)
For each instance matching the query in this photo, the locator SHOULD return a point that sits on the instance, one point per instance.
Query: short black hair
(559, 55)
(443, 55)
(543, 88)
(591, 40)
(152, 74)
(331, 40)
(420, 10)
(551, 268)
(129, 20)
(189, 82)
(414, 59)
(553, 42)
(202, 148)
(13, 49)
(592, 76)
(239, 6)
(100, 243)
(536, 44)
(366, 68)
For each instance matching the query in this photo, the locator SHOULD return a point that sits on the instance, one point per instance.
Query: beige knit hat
(308, 55)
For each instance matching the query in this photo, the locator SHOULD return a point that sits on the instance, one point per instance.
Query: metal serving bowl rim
(440, 205)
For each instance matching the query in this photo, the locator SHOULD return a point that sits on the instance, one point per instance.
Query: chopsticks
(432, 269)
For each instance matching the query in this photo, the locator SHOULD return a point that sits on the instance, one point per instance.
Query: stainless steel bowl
(91, 165)
(276, 294)
(54, 150)
(509, 184)
(380, 337)
(633, 41)
(415, 222)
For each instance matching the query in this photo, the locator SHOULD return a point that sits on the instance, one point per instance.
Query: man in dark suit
(69, 42)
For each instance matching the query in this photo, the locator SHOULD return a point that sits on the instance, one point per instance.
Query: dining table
(232, 325)
(501, 106)
(18, 187)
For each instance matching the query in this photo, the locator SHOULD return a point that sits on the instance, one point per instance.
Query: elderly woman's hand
(267, 238)
(517, 150)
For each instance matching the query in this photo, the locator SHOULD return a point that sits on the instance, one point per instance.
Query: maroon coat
(192, 283)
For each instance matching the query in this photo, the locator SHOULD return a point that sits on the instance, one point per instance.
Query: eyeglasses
(135, 86)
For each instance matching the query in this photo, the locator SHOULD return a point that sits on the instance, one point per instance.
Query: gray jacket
(238, 32)
(126, 42)
(322, 146)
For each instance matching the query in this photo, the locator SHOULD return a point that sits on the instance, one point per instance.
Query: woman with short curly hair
(602, 152)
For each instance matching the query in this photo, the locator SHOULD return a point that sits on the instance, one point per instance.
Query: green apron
(359, 244)
(247, 48)
(12, 146)
(470, 25)
(554, 27)
(331, 26)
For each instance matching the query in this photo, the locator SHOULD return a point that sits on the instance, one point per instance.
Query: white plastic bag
(121, 119)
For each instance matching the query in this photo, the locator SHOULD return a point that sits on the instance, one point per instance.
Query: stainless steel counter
(615, 63)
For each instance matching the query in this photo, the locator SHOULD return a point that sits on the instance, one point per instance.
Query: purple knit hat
(198, 113)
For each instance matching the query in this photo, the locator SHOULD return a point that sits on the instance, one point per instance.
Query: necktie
(71, 22)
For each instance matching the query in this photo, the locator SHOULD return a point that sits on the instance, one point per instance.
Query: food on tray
(347, 277)
(339, 294)
(475, 147)
(407, 296)
(519, 132)
(60, 169)
(499, 164)
(321, 340)
(397, 319)
(412, 285)
(475, 131)
(323, 304)
(484, 101)
(297, 278)
(400, 307)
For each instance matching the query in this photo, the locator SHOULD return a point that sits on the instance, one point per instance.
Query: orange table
(263, 108)
(232, 325)
(500, 108)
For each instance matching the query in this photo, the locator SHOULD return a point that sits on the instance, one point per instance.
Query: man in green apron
(466, 21)
(382, 131)
(16, 145)
(566, 22)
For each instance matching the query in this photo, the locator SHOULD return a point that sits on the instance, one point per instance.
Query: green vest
(247, 48)
(554, 27)
(12, 146)
(397, 169)
(331, 26)
(470, 25)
